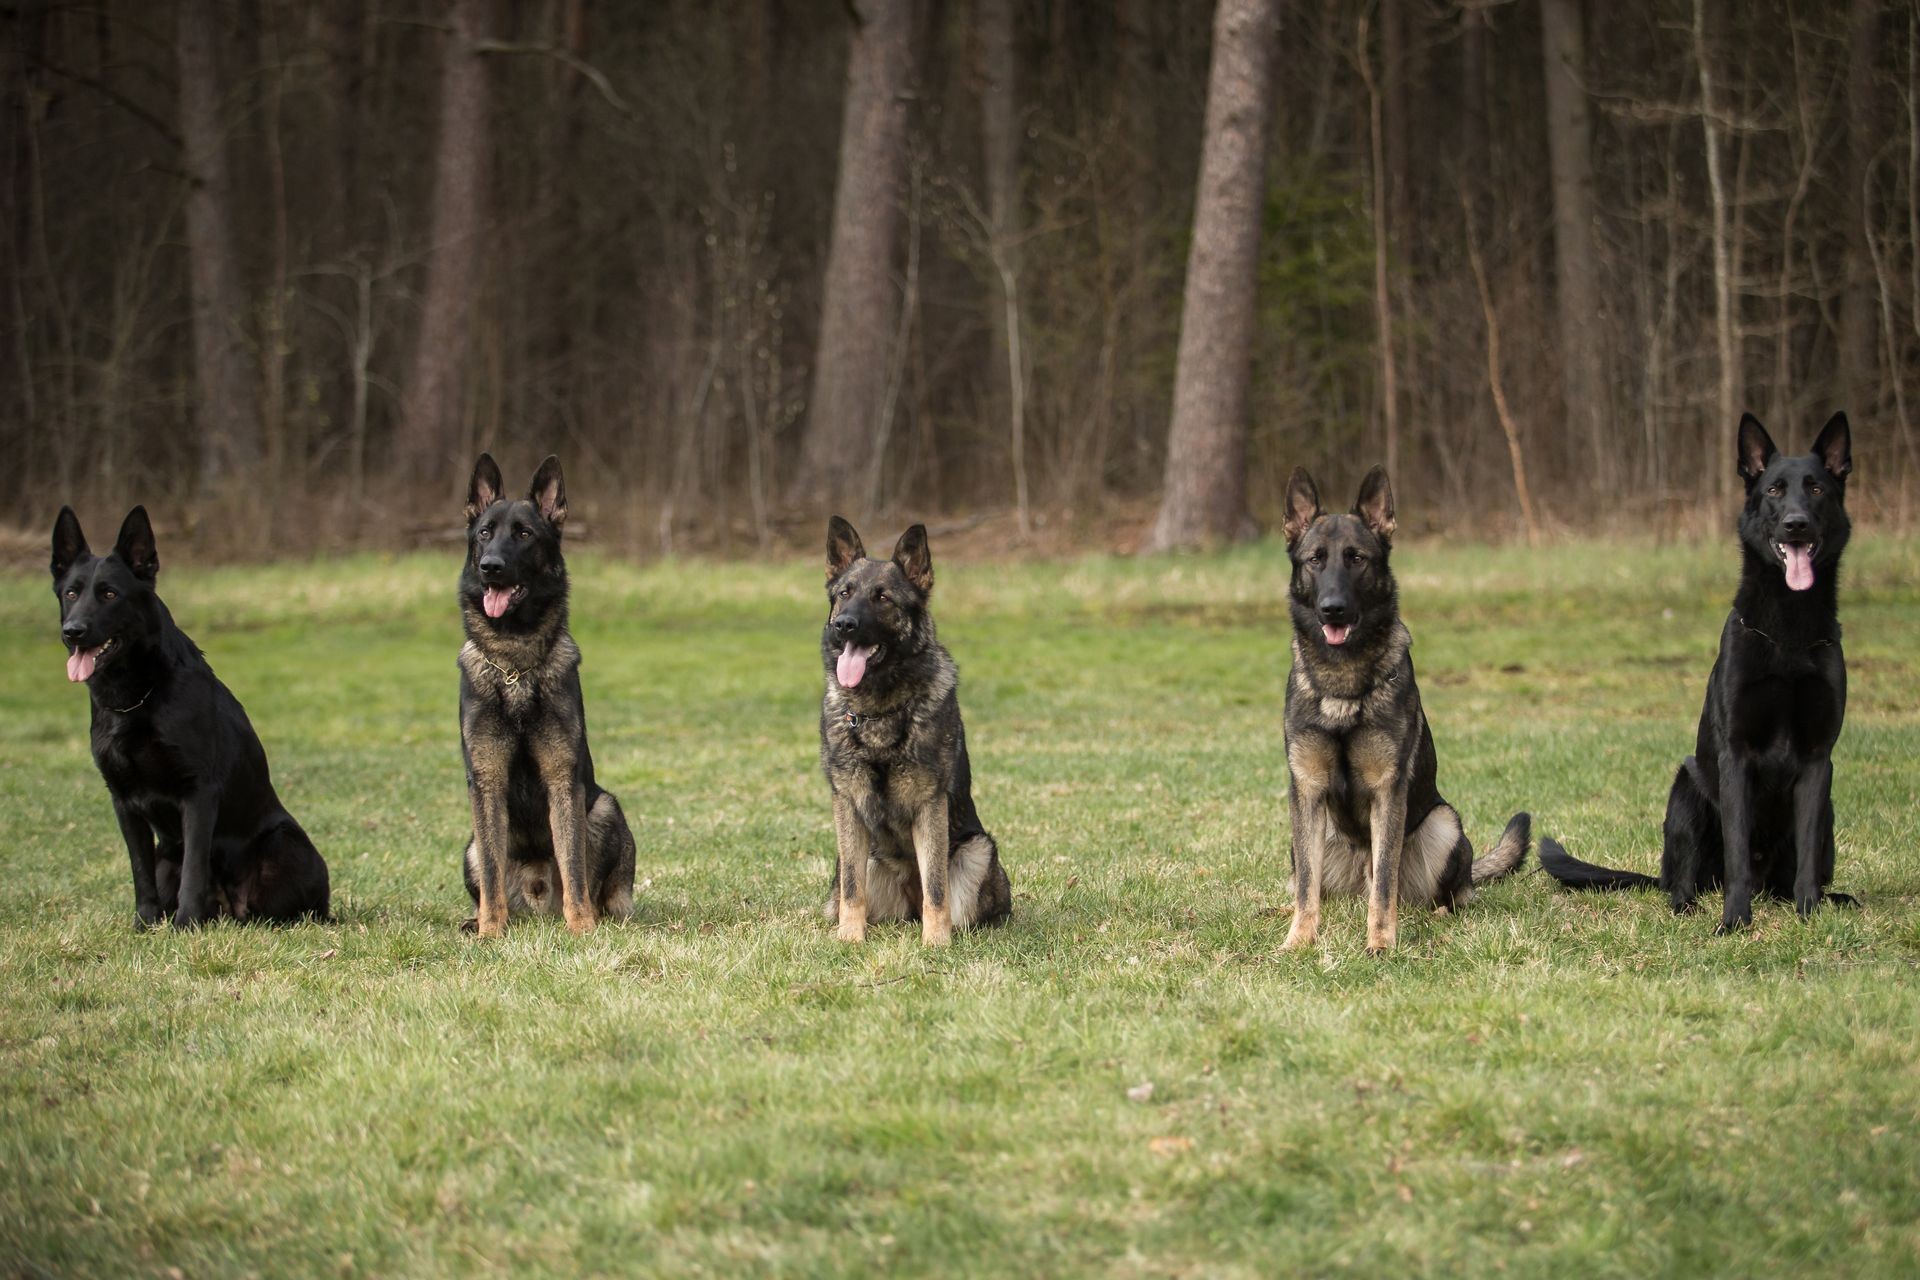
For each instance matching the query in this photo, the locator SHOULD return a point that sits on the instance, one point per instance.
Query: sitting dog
(1752, 807)
(895, 753)
(546, 838)
(1367, 816)
(205, 831)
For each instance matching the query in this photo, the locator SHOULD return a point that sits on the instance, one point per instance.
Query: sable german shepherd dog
(205, 832)
(1753, 805)
(895, 753)
(1367, 816)
(546, 838)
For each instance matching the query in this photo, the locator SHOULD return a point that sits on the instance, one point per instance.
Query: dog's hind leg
(285, 880)
(1690, 857)
(611, 851)
(977, 884)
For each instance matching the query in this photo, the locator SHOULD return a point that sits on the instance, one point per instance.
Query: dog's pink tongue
(1799, 567)
(80, 664)
(1336, 634)
(852, 667)
(496, 600)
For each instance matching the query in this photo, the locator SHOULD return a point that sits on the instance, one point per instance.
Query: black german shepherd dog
(894, 750)
(1366, 809)
(546, 838)
(205, 832)
(1760, 780)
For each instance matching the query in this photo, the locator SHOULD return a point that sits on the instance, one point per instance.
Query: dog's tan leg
(1307, 811)
(567, 820)
(489, 797)
(855, 848)
(1388, 820)
(931, 852)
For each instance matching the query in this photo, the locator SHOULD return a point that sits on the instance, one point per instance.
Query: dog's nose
(72, 630)
(1333, 610)
(1796, 522)
(492, 566)
(844, 625)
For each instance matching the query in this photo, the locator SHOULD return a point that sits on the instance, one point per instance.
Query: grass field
(1543, 1085)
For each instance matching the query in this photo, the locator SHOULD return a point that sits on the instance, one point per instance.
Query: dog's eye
(1775, 490)
(880, 597)
(1317, 559)
(845, 592)
(109, 595)
(1815, 489)
(523, 533)
(73, 593)
(1354, 556)
(486, 531)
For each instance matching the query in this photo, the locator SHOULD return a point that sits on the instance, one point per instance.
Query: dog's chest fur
(516, 691)
(891, 759)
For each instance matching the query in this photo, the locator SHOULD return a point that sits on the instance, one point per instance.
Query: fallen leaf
(328, 954)
(1406, 1193)
(1141, 1092)
(1172, 1146)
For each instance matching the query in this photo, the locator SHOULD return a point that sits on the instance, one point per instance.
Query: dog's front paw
(582, 922)
(1735, 919)
(1301, 935)
(187, 918)
(1805, 904)
(1684, 906)
(148, 915)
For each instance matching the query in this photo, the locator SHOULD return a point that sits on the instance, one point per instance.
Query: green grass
(1543, 1085)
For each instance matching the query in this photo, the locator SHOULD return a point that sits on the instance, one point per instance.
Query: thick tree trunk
(229, 425)
(433, 405)
(859, 303)
(1576, 288)
(1857, 332)
(1205, 497)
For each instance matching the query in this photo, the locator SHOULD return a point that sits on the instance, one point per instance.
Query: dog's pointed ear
(1303, 504)
(915, 558)
(69, 544)
(843, 546)
(485, 487)
(135, 545)
(1754, 450)
(1375, 503)
(1834, 446)
(549, 492)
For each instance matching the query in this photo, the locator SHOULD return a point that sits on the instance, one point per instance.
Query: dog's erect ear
(1375, 503)
(69, 544)
(1834, 446)
(135, 545)
(843, 546)
(1754, 450)
(914, 558)
(1303, 504)
(549, 492)
(484, 490)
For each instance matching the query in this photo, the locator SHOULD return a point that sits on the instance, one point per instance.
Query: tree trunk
(1205, 497)
(1857, 336)
(1576, 289)
(229, 426)
(1727, 404)
(858, 304)
(1000, 142)
(434, 406)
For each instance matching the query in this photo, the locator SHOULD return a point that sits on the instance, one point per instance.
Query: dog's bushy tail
(1575, 874)
(1507, 853)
